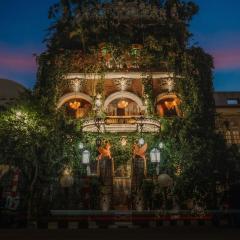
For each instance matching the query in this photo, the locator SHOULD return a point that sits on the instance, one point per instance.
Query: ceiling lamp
(74, 105)
(122, 104)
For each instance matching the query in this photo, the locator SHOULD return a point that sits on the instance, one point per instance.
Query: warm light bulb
(74, 105)
(122, 104)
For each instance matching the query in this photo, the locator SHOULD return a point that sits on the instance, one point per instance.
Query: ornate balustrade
(122, 124)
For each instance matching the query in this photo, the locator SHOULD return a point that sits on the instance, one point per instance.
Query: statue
(104, 151)
(139, 151)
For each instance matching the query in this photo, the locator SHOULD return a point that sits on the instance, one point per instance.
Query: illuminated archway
(125, 95)
(73, 95)
(167, 105)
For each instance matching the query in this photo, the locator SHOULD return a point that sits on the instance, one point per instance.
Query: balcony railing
(122, 124)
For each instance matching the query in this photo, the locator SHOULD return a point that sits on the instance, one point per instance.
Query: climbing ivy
(99, 36)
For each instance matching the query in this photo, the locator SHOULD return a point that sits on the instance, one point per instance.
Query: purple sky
(23, 26)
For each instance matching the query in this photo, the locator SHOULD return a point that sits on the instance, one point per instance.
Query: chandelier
(170, 104)
(122, 104)
(74, 105)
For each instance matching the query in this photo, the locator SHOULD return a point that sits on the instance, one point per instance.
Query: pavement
(168, 233)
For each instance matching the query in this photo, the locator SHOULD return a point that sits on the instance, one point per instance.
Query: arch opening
(123, 103)
(76, 105)
(168, 105)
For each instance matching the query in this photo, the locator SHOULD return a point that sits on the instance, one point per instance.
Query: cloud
(227, 59)
(17, 61)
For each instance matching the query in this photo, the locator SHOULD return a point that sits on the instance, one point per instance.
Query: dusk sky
(23, 25)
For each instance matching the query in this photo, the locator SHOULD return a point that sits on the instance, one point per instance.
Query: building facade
(228, 115)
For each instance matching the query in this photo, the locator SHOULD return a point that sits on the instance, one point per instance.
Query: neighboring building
(228, 111)
(9, 92)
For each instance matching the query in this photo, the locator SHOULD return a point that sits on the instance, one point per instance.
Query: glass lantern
(86, 157)
(155, 155)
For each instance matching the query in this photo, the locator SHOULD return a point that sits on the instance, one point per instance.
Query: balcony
(122, 124)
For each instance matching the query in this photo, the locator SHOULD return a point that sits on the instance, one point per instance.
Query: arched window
(76, 104)
(77, 108)
(123, 103)
(168, 106)
(123, 107)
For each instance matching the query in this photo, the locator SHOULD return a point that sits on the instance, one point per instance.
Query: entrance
(122, 193)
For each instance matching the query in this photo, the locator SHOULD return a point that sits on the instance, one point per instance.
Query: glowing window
(168, 107)
(233, 101)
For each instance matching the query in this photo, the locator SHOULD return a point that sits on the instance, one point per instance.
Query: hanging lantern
(155, 155)
(86, 157)
(74, 105)
(122, 104)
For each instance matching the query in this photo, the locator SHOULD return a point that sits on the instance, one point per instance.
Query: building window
(233, 101)
(236, 137)
(232, 137)
(168, 107)
(228, 137)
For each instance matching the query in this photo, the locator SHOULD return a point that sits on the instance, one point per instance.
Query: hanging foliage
(120, 36)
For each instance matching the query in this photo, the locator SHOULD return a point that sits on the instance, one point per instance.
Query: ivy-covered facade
(119, 86)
